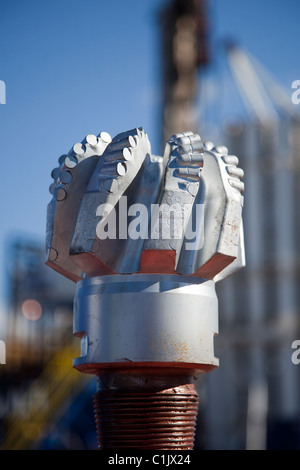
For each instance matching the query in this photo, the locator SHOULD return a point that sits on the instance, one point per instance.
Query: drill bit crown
(119, 209)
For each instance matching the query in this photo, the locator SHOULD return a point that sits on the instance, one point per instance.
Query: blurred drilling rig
(251, 401)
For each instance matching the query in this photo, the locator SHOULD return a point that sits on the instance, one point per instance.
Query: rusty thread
(158, 420)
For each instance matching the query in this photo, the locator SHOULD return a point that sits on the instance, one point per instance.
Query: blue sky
(73, 67)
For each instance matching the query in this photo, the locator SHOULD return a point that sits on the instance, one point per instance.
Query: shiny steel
(191, 175)
(70, 180)
(145, 309)
(139, 320)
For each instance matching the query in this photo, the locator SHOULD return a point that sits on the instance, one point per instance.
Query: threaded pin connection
(159, 420)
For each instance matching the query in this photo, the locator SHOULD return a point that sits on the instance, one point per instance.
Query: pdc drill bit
(146, 237)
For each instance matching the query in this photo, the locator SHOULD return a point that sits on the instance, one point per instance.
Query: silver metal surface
(221, 193)
(139, 320)
(147, 237)
(113, 175)
(70, 181)
(188, 204)
(181, 184)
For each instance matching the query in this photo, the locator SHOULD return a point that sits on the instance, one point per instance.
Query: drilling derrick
(185, 51)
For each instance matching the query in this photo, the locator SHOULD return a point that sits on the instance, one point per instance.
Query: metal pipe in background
(146, 246)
